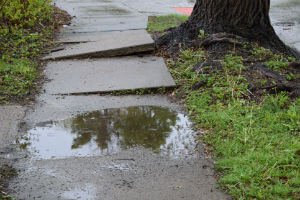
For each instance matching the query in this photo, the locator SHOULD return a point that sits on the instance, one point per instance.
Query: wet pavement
(132, 174)
(132, 147)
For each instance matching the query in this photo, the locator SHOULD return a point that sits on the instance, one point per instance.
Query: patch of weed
(16, 77)
(261, 53)
(276, 62)
(182, 72)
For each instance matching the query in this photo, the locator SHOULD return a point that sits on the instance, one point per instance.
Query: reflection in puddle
(112, 130)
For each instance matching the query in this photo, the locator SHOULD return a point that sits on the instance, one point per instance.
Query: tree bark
(246, 18)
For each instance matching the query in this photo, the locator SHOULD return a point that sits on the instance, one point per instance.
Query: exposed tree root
(222, 38)
(279, 82)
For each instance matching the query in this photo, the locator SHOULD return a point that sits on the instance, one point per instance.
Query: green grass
(16, 78)
(273, 61)
(25, 29)
(256, 144)
(161, 23)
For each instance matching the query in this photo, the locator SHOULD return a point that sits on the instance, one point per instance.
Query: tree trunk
(246, 18)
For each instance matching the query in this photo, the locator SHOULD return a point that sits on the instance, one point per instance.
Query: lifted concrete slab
(106, 45)
(106, 75)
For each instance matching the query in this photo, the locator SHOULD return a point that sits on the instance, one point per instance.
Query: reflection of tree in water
(146, 126)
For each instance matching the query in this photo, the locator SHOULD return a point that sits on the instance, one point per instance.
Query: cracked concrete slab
(106, 75)
(105, 45)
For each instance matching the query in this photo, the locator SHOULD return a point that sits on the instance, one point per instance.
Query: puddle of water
(109, 131)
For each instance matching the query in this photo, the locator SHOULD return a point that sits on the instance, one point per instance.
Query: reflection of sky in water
(109, 131)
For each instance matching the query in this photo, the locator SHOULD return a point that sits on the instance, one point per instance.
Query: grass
(256, 145)
(25, 29)
(17, 78)
(255, 142)
(273, 61)
(18, 64)
(161, 23)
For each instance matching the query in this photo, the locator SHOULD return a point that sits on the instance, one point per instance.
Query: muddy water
(109, 131)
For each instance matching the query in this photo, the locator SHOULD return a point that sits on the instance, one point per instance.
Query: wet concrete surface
(132, 174)
(149, 157)
(106, 75)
